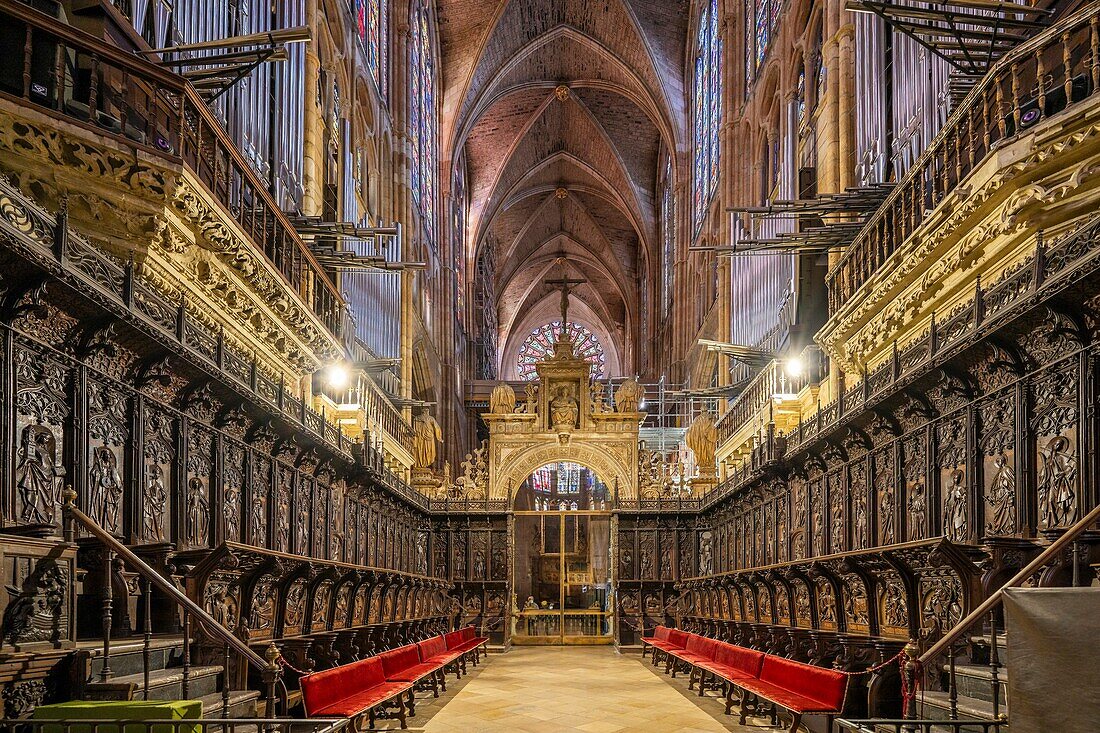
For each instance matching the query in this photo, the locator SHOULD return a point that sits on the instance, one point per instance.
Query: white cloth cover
(1053, 659)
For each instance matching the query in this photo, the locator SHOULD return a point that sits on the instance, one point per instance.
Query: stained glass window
(707, 102)
(423, 123)
(372, 24)
(539, 346)
(767, 18)
(801, 97)
(668, 238)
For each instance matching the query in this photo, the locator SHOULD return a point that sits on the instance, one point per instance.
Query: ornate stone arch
(612, 462)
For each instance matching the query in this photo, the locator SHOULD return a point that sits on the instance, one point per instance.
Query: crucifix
(566, 284)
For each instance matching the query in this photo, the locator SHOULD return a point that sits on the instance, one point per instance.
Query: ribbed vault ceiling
(562, 181)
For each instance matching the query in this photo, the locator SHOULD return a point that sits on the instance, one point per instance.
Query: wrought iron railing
(268, 668)
(73, 75)
(1056, 69)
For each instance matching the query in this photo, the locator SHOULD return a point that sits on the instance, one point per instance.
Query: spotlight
(336, 376)
(794, 367)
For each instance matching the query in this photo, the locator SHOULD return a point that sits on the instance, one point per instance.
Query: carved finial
(68, 495)
(272, 654)
(561, 92)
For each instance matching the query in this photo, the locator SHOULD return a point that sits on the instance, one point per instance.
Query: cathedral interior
(615, 366)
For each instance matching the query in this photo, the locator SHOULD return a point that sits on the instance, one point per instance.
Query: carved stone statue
(702, 438)
(628, 398)
(563, 408)
(503, 400)
(598, 406)
(426, 436)
(530, 397)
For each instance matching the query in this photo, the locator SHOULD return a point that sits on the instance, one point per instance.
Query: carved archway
(613, 462)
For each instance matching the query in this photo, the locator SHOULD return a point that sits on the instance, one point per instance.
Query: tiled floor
(571, 689)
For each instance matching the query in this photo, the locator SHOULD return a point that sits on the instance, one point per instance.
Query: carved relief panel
(951, 441)
(196, 488)
(915, 473)
(259, 498)
(108, 433)
(1056, 459)
(997, 454)
(41, 413)
(885, 493)
(233, 473)
(158, 456)
(284, 505)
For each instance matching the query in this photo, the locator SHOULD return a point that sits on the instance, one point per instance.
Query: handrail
(901, 210)
(987, 605)
(269, 667)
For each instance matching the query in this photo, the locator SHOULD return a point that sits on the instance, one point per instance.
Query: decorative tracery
(707, 110)
(423, 123)
(539, 346)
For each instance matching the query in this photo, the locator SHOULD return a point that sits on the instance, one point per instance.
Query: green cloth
(121, 710)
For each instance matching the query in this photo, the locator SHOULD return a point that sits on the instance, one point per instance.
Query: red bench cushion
(396, 661)
(431, 647)
(413, 673)
(322, 690)
(661, 633)
(800, 687)
(745, 661)
(362, 701)
(699, 649)
(678, 639)
(454, 639)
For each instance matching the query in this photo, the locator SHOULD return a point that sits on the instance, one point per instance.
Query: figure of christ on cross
(566, 284)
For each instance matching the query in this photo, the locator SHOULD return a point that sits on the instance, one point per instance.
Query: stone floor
(567, 690)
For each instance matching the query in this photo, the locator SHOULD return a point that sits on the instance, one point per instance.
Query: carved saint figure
(629, 396)
(105, 482)
(886, 513)
(1057, 483)
(426, 436)
(596, 391)
(1001, 498)
(954, 509)
(35, 475)
(198, 512)
(531, 396)
(257, 519)
(156, 501)
(702, 438)
(705, 559)
(503, 400)
(916, 509)
(894, 608)
(563, 408)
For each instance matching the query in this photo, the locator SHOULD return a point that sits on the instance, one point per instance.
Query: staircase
(166, 678)
(973, 685)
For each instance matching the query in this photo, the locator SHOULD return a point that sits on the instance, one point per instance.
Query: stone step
(981, 644)
(127, 658)
(936, 705)
(976, 681)
(164, 684)
(242, 704)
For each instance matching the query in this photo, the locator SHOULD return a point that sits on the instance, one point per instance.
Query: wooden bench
(404, 665)
(351, 691)
(657, 642)
(780, 683)
(434, 651)
(797, 687)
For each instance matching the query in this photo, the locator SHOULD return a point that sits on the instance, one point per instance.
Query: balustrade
(1043, 76)
(67, 73)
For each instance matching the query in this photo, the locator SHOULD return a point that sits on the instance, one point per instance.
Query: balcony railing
(1056, 69)
(775, 379)
(73, 75)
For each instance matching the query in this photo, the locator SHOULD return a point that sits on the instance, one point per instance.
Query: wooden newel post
(909, 670)
(271, 677)
(68, 527)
